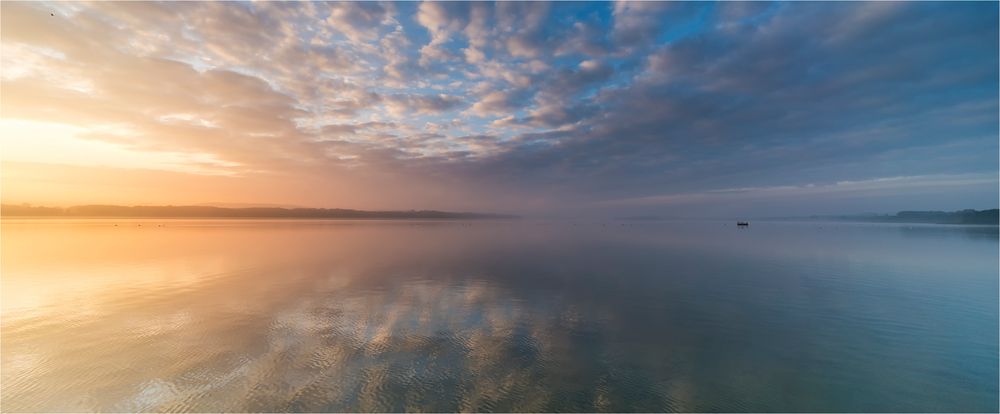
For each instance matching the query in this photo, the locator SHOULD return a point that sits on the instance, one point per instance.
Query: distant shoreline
(990, 217)
(208, 212)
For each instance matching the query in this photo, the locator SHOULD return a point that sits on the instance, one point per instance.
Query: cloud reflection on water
(272, 316)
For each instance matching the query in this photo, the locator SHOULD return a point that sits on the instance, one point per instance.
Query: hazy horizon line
(255, 210)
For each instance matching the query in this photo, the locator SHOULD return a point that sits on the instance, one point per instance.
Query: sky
(687, 109)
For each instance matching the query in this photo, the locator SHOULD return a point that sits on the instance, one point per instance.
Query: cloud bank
(522, 107)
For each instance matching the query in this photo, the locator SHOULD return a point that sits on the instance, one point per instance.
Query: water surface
(229, 315)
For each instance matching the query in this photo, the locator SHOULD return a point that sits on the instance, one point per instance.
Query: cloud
(921, 184)
(421, 104)
(442, 20)
(638, 22)
(360, 21)
(524, 23)
(500, 102)
(557, 103)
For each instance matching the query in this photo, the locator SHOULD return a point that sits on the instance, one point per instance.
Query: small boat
(742, 224)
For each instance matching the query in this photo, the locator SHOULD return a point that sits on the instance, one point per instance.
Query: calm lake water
(189, 315)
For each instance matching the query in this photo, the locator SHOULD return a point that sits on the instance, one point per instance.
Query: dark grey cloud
(421, 104)
(816, 93)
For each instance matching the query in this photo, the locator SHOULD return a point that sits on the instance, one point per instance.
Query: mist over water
(233, 315)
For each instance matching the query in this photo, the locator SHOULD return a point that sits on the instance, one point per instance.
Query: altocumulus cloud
(534, 106)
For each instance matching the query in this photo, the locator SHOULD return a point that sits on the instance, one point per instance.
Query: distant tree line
(24, 210)
(991, 216)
